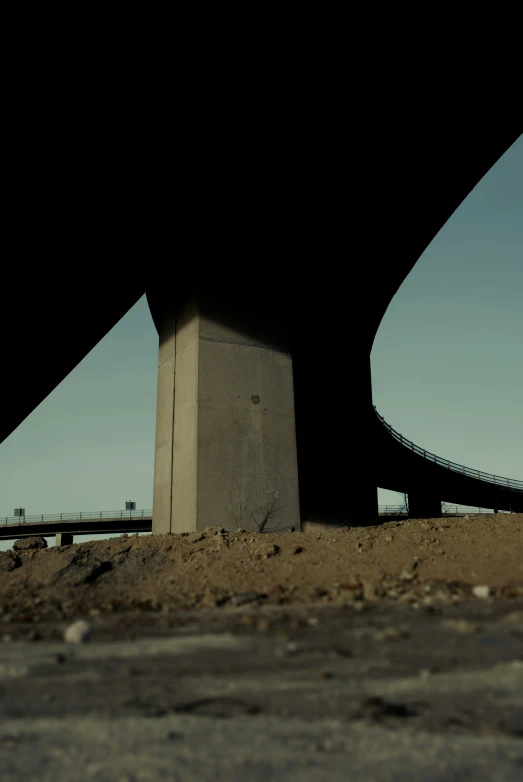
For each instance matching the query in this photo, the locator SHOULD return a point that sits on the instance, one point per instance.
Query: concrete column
(163, 456)
(225, 435)
(63, 539)
(424, 506)
(335, 419)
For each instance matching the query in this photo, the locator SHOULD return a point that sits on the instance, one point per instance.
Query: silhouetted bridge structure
(266, 328)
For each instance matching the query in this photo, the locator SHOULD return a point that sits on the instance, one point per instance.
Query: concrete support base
(423, 506)
(63, 539)
(225, 430)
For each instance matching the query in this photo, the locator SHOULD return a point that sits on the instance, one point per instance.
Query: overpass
(428, 479)
(66, 525)
(289, 247)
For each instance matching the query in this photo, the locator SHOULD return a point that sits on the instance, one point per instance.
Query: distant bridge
(505, 494)
(407, 468)
(65, 525)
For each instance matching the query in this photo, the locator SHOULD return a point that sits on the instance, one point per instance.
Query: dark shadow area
(314, 228)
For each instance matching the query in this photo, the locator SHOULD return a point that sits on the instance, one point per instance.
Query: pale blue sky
(447, 370)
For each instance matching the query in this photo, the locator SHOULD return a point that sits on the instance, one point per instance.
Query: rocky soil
(393, 652)
(423, 562)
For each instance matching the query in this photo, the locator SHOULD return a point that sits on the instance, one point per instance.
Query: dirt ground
(412, 561)
(390, 653)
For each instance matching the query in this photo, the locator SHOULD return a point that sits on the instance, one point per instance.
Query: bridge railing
(497, 480)
(57, 517)
(447, 510)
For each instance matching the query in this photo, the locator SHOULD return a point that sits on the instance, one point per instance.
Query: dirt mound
(423, 561)
(25, 544)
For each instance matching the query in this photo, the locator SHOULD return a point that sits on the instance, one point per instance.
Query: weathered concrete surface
(226, 439)
(163, 467)
(299, 694)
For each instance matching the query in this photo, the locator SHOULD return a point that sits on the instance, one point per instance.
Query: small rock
(34, 542)
(442, 597)
(78, 632)
(266, 550)
(241, 598)
(194, 537)
(369, 591)
(407, 575)
(407, 597)
(351, 585)
(123, 535)
(297, 549)
(482, 592)
(388, 538)
(460, 625)
(391, 634)
(210, 532)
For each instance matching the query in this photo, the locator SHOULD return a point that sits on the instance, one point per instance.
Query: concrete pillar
(63, 539)
(225, 430)
(335, 420)
(424, 506)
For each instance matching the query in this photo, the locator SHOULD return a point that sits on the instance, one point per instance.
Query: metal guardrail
(497, 480)
(383, 510)
(57, 517)
(449, 510)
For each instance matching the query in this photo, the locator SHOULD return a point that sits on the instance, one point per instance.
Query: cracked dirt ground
(360, 653)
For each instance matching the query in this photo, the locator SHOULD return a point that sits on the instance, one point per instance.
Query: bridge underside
(344, 219)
